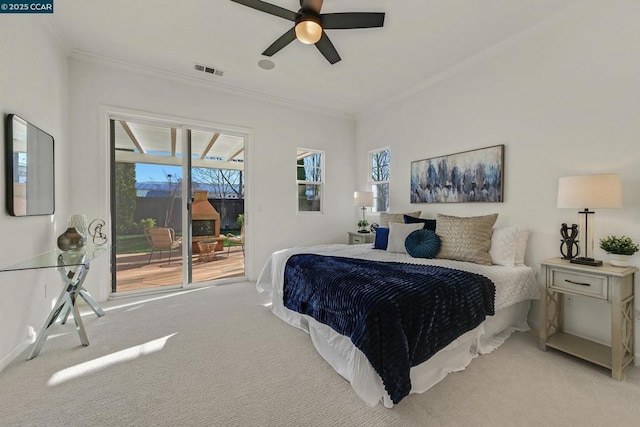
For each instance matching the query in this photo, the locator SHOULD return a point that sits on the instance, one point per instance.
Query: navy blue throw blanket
(397, 314)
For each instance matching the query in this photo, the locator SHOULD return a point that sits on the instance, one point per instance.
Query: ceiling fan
(310, 25)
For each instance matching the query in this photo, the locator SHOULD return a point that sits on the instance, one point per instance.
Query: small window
(379, 161)
(310, 178)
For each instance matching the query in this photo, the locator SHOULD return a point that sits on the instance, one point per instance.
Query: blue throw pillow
(422, 244)
(382, 238)
(429, 224)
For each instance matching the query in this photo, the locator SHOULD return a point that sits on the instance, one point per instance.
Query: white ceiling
(421, 40)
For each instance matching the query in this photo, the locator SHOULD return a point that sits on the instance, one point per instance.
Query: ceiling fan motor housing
(309, 15)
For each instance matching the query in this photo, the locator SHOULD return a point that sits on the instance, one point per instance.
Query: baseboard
(14, 353)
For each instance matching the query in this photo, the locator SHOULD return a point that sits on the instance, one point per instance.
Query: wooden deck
(134, 272)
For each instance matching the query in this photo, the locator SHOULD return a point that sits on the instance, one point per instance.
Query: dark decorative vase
(70, 240)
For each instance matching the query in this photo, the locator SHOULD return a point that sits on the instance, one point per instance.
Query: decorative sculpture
(95, 231)
(569, 247)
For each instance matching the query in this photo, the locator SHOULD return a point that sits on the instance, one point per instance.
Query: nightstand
(358, 238)
(613, 285)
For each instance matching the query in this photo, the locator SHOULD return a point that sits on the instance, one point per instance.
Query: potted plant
(619, 249)
(363, 226)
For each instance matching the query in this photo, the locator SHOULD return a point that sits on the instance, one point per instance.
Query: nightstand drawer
(358, 239)
(585, 284)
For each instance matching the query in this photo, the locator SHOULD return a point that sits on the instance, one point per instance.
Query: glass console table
(73, 267)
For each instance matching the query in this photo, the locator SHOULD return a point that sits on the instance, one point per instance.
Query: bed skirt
(352, 364)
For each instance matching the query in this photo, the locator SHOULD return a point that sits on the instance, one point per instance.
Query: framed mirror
(29, 168)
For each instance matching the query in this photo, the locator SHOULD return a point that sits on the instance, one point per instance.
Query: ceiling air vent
(210, 70)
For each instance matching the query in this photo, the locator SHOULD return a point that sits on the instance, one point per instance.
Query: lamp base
(586, 261)
(364, 231)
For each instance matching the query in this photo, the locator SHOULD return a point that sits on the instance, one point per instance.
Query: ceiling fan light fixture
(308, 30)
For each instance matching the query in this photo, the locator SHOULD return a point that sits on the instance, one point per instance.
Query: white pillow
(521, 245)
(503, 246)
(398, 234)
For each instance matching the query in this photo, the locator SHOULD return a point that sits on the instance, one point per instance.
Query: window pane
(380, 166)
(309, 180)
(380, 174)
(309, 196)
(310, 168)
(380, 197)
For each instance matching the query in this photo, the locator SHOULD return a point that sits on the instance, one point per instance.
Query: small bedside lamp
(363, 200)
(594, 191)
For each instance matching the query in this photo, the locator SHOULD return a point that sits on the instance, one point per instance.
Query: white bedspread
(513, 285)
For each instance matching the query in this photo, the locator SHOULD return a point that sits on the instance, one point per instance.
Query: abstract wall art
(470, 176)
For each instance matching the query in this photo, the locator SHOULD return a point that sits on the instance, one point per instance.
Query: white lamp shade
(590, 191)
(363, 199)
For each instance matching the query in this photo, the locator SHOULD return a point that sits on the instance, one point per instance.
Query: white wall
(564, 100)
(34, 85)
(276, 132)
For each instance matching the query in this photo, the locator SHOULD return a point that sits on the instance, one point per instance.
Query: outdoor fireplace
(205, 221)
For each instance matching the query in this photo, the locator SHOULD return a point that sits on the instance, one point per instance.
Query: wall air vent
(210, 70)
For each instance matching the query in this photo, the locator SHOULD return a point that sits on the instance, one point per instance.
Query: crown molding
(195, 81)
(58, 34)
(485, 55)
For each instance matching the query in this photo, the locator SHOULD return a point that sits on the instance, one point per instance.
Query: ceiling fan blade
(284, 40)
(344, 21)
(269, 8)
(327, 49)
(314, 5)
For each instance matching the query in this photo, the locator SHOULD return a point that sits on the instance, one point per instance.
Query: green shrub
(147, 223)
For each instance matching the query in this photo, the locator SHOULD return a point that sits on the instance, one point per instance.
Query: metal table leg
(66, 303)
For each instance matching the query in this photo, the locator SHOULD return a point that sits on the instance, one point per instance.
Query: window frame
(301, 153)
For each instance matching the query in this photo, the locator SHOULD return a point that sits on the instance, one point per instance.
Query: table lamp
(363, 200)
(589, 191)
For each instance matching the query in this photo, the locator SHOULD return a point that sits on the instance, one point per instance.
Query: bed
(515, 287)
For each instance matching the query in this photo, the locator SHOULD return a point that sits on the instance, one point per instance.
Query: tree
(175, 189)
(125, 182)
(224, 182)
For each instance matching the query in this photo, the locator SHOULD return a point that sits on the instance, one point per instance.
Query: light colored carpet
(228, 361)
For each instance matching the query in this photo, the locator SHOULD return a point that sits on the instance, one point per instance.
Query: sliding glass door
(177, 203)
(217, 209)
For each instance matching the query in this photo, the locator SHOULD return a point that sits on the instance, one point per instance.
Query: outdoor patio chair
(236, 240)
(162, 239)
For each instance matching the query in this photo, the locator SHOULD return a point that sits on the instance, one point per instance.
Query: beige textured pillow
(387, 217)
(466, 238)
